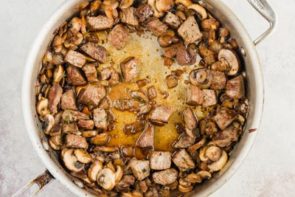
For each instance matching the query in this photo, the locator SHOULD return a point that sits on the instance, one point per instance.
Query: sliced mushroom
(71, 161)
(126, 4)
(107, 149)
(213, 153)
(42, 107)
(200, 77)
(164, 5)
(156, 12)
(58, 74)
(199, 9)
(100, 139)
(219, 164)
(48, 123)
(118, 174)
(55, 142)
(106, 178)
(95, 167)
(231, 58)
(82, 156)
(186, 3)
(193, 148)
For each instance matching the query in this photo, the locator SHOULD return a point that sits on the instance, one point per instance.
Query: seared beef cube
(218, 80)
(146, 138)
(111, 75)
(129, 69)
(118, 37)
(160, 160)
(126, 105)
(184, 141)
(92, 94)
(224, 118)
(128, 16)
(126, 182)
(100, 118)
(171, 81)
(172, 20)
(140, 168)
(95, 51)
(194, 95)
(54, 95)
(143, 12)
(183, 56)
(74, 76)
(209, 98)
(72, 116)
(157, 27)
(165, 177)
(183, 160)
(90, 72)
(68, 100)
(75, 58)
(99, 22)
(160, 115)
(86, 124)
(75, 141)
(235, 87)
(190, 121)
(226, 137)
(170, 52)
(152, 92)
(70, 128)
(189, 30)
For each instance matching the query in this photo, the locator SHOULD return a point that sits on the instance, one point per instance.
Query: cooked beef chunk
(184, 141)
(86, 124)
(209, 98)
(140, 168)
(99, 22)
(126, 182)
(90, 72)
(129, 69)
(75, 58)
(218, 80)
(146, 138)
(183, 160)
(128, 16)
(194, 95)
(152, 92)
(75, 141)
(54, 96)
(100, 118)
(160, 115)
(189, 30)
(92, 94)
(235, 87)
(160, 160)
(190, 121)
(118, 37)
(95, 51)
(143, 12)
(68, 100)
(157, 27)
(172, 20)
(224, 117)
(165, 177)
(171, 81)
(226, 137)
(74, 76)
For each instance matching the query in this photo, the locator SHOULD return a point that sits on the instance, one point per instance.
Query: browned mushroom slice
(74, 76)
(165, 177)
(106, 179)
(209, 98)
(90, 72)
(71, 116)
(220, 163)
(54, 96)
(172, 20)
(100, 139)
(224, 117)
(75, 141)
(68, 100)
(94, 169)
(86, 124)
(143, 12)
(140, 168)
(210, 24)
(171, 81)
(171, 51)
(201, 78)
(235, 87)
(208, 127)
(95, 51)
(128, 16)
(83, 156)
(218, 80)
(194, 95)
(167, 39)
(75, 58)
(89, 133)
(152, 92)
(160, 115)
(126, 182)
(100, 118)
(99, 22)
(129, 69)
(189, 30)
(118, 37)
(226, 137)
(184, 141)
(146, 138)
(193, 148)
(48, 123)
(231, 58)
(183, 160)
(160, 160)
(207, 55)
(157, 27)
(144, 109)
(190, 121)
(71, 161)
(92, 94)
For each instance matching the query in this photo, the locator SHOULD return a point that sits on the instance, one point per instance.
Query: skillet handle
(34, 186)
(265, 10)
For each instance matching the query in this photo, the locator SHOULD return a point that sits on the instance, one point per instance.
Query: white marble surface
(269, 168)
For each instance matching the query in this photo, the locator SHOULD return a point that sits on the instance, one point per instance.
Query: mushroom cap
(200, 77)
(213, 153)
(82, 156)
(106, 178)
(95, 167)
(231, 58)
(71, 161)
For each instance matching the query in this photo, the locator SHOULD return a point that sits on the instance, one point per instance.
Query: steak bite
(194, 95)
(95, 51)
(183, 160)
(68, 100)
(165, 177)
(91, 94)
(226, 137)
(209, 98)
(157, 27)
(99, 22)
(128, 16)
(90, 72)
(75, 58)
(172, 20)
(118, 37)
(129, 69)
(75, 141)
(189, 30)
(190, 121)
(146, 138)
(86, 124)
(54, 96)
(160, 160)
(160, 115)
(143, 12)
(74, 76)
(126, 182)
(100, 118)
(140, 168)
(235, 87)
(224, 118)
(218, 80)
(184, 141)
(183, 56)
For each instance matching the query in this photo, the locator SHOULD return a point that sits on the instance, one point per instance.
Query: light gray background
(269, 169)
